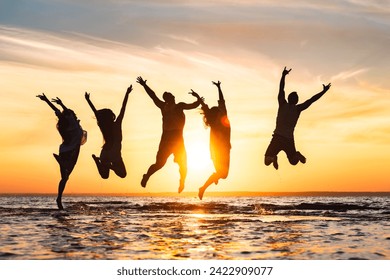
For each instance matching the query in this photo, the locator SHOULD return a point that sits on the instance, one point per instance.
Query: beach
(177, 228)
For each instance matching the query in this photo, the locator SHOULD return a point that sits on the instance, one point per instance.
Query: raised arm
(282, 95)
(87, 97)
(122, 112)
(159, 103)
(59, 102)
(221, 100)
(189, 106)
(314, 98)
(220, 94)
(43, 97)
(200, 99)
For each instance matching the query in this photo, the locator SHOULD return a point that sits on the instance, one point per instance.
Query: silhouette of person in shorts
(286, 120)
(172, 141)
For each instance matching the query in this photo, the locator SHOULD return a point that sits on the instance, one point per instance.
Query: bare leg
(268, 160)
(152, 169)
(275, 162)
(67, 161)
(145, 179)
(180, 157)
(61, 185)
(104, 169)
(183, 175)
(119, 168)
(271, 159)
(61, 188)
(212, 179)
(301, 158)
(296, 158)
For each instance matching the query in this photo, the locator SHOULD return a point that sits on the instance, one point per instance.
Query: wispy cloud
(68, 52)
(348, 74)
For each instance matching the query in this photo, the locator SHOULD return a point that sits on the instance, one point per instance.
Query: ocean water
(232, 228)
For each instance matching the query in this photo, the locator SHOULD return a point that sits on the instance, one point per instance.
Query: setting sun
(198, 155)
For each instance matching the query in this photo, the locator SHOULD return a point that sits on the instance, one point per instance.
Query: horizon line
(228, 193)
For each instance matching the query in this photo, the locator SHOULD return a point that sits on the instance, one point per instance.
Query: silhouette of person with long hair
(216, 118)
(287, 118)
(172, 142)
(111, 128)
(72, 137)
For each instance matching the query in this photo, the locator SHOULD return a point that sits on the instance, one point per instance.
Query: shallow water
(185, 228)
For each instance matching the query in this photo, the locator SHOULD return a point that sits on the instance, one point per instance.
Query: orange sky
(177, 47)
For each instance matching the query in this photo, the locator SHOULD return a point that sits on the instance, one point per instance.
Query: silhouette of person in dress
(110, 157)
(287, 118)
(172, 142)
(216, 118)
(72, 137)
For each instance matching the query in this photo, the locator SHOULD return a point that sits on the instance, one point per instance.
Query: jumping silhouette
(287, 118)
(172, 142)
(72, 137)
(216, 118)
(111, 128)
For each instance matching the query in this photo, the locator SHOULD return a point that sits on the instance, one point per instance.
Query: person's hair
(293, 97)
(105, 119)
(210, 115)
(63, 124)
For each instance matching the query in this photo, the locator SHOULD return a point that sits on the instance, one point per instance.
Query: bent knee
(160, 162)
(293, 161)
(268, 160)
(222, 174)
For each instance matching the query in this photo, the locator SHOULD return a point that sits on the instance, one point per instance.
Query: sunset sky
(66, 47)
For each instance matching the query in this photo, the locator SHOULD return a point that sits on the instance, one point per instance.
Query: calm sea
(234, 227)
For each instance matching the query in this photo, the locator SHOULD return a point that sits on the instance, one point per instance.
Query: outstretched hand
(141, 81)
(285, 71)
(129, 89)
(326, 87)
(57, 100)
(87, 95)
(195, 94)
(42, 97)
(218, 84)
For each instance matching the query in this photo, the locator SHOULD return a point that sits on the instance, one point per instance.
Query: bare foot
(59, 203)
(181, 187)
(201, 192)
(144, 180)
(301, 158)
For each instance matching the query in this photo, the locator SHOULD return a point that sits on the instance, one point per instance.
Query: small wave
(229, 207)
(339, 207)
(7, 255)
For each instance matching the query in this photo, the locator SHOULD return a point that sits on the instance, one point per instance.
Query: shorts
(172, 142)
(280, 143)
